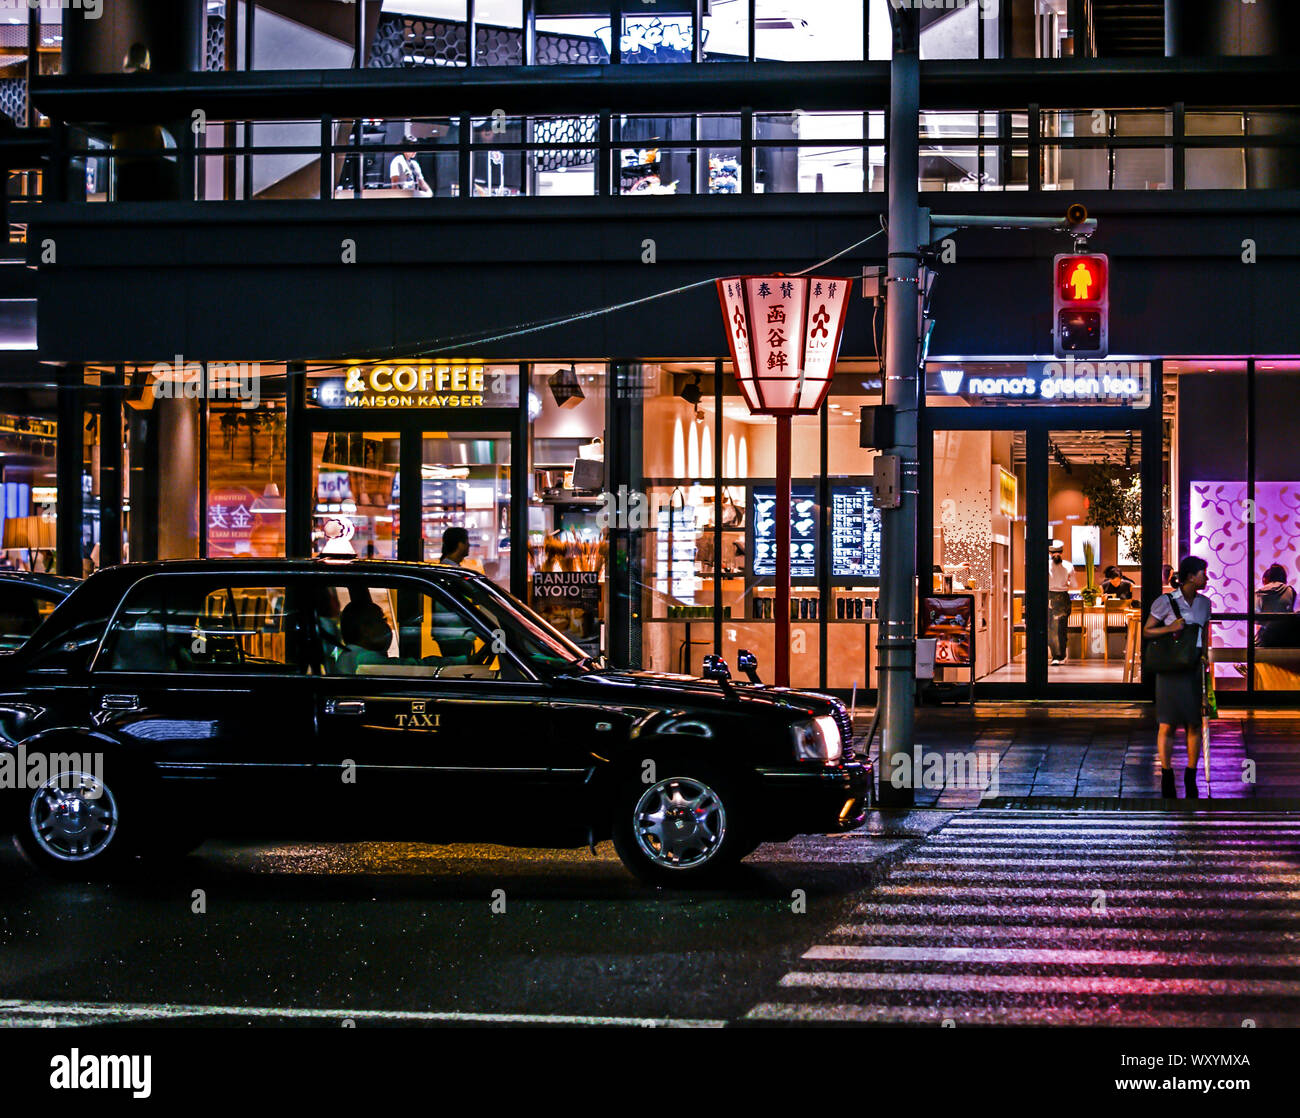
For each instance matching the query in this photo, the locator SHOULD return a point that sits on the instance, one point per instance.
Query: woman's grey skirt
(1178, 698)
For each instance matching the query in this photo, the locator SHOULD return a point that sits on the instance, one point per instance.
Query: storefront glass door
(978, 551)
(1036, 547)
(354, 493)
(1094, 520)
(465, 483)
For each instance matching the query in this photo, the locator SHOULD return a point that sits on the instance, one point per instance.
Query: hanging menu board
(803, 532)
(675, 553)
(855, 533)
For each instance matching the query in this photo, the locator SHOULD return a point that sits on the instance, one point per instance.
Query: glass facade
(677, 466)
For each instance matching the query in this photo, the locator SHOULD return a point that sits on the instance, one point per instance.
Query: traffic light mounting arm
(1076, 224)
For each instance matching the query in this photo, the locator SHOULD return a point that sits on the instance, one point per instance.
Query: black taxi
(165, 703)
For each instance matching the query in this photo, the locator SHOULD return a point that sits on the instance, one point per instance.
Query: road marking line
(133, 1011)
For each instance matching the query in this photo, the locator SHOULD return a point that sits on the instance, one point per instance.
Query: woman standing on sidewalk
(1178, 693)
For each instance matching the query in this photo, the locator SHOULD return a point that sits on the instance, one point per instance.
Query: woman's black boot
(1189, 782)
(1167, 785)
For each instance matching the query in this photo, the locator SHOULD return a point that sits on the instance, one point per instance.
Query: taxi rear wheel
(71, 826)
(680, 830)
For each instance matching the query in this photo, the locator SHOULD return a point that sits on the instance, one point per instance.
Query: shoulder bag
(1173, 652)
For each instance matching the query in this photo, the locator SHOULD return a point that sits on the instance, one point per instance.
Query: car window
(22, 609)
(526, 634)
(398, 629)
(176, 623)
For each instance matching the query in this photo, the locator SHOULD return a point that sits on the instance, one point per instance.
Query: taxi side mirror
(715, 668)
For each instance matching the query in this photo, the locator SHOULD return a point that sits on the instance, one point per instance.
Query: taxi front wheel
(71, 826)
(681, 830)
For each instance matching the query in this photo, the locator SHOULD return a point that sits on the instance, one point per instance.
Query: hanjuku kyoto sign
(784, 333)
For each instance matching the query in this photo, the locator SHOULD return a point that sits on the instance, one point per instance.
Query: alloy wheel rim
(679, 823)
(73, 816)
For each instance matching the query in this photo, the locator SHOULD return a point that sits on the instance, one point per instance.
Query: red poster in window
(231, 520)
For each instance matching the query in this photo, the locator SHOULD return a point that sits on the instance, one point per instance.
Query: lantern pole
(781, 604)
(896, 645)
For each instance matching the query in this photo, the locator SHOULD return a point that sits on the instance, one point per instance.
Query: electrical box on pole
(1081, 305)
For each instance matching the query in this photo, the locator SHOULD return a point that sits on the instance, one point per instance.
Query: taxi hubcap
(679, 823)
(73, 816)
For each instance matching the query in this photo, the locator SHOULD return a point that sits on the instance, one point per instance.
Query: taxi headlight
(818, 740)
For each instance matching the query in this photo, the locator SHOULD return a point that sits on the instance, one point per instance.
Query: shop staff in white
(1060, 581)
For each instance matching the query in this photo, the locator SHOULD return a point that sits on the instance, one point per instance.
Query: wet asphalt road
(312, 933)
(984, 917)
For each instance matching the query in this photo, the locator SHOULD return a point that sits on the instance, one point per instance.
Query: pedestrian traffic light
(1081, 306)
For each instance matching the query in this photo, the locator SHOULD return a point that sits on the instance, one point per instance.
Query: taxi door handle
(345, 706)
(120, 702)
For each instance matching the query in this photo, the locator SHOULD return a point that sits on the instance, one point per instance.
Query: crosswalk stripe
(1126, 822)
(1070, 957)
(1207, 843)
(822, 1012)
(1113, 912)
(1086, 895)
(1139, 873)
(1011, 933)
(1136, 862)
(1100, 826)
(928, 982)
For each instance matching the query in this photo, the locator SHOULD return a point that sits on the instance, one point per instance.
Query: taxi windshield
(527, 635)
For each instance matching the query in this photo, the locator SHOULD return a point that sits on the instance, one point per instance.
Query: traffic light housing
(1081, 305)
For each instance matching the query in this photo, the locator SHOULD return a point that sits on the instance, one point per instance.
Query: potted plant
(1090, 593)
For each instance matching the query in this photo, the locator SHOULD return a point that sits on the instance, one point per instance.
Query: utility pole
(896, 645)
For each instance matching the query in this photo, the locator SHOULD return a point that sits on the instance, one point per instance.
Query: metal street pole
(896, 645)
(781, 604)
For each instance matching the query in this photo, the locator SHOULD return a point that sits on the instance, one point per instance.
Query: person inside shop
(455, 547)
(1275, 594)
(1115, 585)
(1060, 581)
(1179, 693)
(404, 172)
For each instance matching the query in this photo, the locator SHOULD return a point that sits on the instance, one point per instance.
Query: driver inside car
(367, 637)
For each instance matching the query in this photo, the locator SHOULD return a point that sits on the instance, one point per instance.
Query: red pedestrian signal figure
(1081, 280)
(1081, 306)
